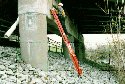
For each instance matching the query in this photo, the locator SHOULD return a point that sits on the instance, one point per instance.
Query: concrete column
(33, 32)
(80, 48)
(65, 50)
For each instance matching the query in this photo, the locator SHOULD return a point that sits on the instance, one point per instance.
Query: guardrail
(54, 46)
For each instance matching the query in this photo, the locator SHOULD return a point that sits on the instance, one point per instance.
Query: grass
(112, 54)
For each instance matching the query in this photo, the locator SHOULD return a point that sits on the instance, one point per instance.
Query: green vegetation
(55, 48)
(109, 57)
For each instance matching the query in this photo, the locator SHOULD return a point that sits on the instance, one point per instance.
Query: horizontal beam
(120, 1)
(94, 21)
(4, 26)
(2, 20)
(97, 16)
(93, 25)
(6, 42)
(91, 9)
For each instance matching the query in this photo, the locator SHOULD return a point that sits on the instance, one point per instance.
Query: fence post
(56, 48)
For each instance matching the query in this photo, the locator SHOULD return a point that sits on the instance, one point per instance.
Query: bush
(113, 54)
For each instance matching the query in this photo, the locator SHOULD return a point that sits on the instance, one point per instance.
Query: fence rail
(54, 46)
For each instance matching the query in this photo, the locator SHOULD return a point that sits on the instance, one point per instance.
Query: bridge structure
(36, 21)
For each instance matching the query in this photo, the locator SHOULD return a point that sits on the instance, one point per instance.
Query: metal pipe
(101, 8)
(122, 1)
(107, 3)
(124, 9)
(117, 1)
(12, 28)
(119, 21)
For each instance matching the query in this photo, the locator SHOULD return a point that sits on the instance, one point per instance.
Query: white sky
(91, 40)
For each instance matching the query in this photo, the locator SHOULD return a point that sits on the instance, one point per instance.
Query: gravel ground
(14, 71)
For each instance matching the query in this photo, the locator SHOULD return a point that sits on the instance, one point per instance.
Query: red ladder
(67, 42)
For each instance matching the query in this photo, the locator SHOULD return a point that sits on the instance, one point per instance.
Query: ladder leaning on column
(67, 42)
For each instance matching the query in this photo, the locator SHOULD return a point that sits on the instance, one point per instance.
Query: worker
(61, 16)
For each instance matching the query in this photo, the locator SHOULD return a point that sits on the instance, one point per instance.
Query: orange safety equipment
(67, 42)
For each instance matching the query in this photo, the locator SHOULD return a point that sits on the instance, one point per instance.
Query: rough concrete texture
(78, 45)
(71, 28)
(33, 36)
(80, 48)
(39, 6)
(33, 32)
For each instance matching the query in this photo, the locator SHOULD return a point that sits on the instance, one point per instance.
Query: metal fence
(54, 46)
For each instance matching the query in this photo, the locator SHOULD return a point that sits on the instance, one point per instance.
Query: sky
(91, 40)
